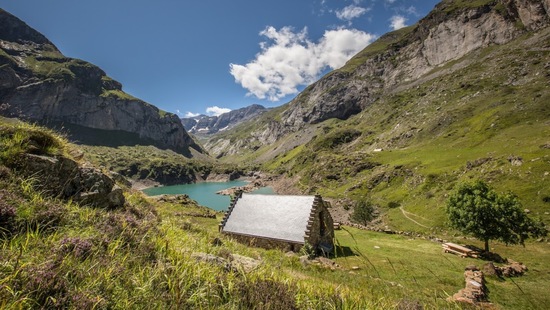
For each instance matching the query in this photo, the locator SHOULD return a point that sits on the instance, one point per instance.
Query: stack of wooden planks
(462, 251)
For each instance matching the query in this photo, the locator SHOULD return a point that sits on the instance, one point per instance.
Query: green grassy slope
(486, 118)
(59, 254)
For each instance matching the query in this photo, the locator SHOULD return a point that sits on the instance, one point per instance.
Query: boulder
(304, 260)
(512, 269)
(64, 178)
(234, 263)
(212, 259)
(328, 263)
(244, 263)
(120, 179)
(116, 197)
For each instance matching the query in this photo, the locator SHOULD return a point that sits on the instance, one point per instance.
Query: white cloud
(190, 114)
(397, 22)
(216, 111)
(290, 59)
(391, 1)
(411, 10)
(350, 12)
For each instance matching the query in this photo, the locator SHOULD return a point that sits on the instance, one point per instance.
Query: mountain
(204, 124)
(397, 61)
(461, 95)
(39, 84)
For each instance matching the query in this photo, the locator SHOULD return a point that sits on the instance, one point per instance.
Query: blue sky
(210, 56)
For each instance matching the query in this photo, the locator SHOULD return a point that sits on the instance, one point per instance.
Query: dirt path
(406, 214)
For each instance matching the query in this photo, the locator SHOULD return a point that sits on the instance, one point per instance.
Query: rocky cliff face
(38, 83)
(402, 59)
(448, 33)
(211, 124)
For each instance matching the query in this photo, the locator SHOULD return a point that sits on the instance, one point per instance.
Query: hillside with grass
(396, 130)
(58, 252)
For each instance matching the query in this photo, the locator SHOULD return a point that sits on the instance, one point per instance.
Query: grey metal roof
(271, 216)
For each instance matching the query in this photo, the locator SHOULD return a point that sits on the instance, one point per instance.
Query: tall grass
(59, 254)
(141, 256)
(19, 138)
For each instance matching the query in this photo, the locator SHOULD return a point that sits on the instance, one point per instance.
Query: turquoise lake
(205, 192)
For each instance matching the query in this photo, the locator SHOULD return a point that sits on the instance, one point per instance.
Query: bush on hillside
(336, 138)
(266, 294)
(363, 212)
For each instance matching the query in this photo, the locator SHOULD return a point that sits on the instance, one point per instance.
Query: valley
(461, 96)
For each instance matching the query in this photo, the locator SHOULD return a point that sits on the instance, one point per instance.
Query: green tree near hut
(477, 210)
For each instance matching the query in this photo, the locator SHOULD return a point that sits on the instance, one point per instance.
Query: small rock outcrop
(62, 177)
(510, 269)
(475, 291)
(252, 186)
(233, 263)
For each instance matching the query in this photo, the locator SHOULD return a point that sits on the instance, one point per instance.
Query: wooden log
(457, 247)
(455, 252)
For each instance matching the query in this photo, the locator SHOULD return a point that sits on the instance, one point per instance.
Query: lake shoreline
(257, 180)
(204, 193)
(141, 185)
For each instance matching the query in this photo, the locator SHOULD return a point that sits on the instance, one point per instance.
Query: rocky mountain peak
(453, 29)
(40, 84)
(12, 29)
(398, 61)
(204, 124)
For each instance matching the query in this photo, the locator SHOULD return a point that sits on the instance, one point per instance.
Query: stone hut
(279, 221)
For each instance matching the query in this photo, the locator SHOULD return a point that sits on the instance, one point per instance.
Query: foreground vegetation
(406, 154)
(59, 254)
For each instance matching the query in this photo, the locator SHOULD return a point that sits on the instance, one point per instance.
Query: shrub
(133, 227)
(308, 250)
(363, 212)
(47, 286)
(7, 213)
(393, 204)
(336, 138)
(80, 248)
(47, 216)
(266, 294)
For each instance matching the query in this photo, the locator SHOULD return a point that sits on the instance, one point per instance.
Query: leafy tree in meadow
(363, 212)
(476, 209)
